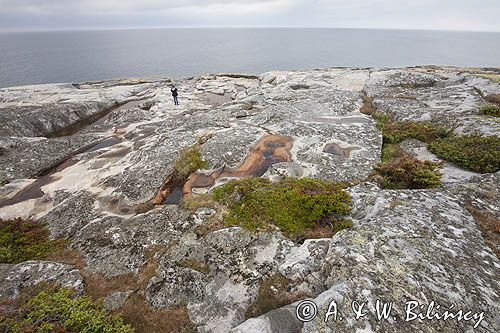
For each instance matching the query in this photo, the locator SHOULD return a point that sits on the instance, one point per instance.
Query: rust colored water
(269, 150)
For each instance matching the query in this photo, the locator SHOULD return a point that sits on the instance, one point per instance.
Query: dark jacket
(174, 92)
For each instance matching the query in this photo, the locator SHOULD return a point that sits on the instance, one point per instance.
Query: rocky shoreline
(83, 159)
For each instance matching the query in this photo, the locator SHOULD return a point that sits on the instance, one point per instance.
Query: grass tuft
(392, 151)
(491, 110)
(295, 206)
(474, 152)
(22, 240)
(409, 173)
(59, 310)
(189, 161)
(397, 131)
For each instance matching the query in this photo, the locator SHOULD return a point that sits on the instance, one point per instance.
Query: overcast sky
(483, 15)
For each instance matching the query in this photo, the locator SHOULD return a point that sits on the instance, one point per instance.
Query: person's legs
(176, 100)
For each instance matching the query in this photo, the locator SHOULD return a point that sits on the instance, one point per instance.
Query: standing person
(175, 95)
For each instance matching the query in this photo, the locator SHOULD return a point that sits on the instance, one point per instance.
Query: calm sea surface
(49, 57)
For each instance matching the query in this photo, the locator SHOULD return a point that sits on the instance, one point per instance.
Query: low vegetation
(46, 308)
(137, 311)
(22, 240)
(398, 169)
(146, 318)
(391, 151)
(295, 206)
(189, 161)
(409, 173)
(489, 225)
(474, 152)
(493, 77)
(273, 294)
(494, 98)
(397, 131)
(491, 110)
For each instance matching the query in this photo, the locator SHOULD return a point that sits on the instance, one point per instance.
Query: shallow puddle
(335, 149)
(269, 150)
(174, 197)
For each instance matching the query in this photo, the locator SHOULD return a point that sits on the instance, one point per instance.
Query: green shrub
(382, 120)
(22, 240)
(189, 161)
(475, 152)
(408, 172)
(491, 110)
(58, 310)
(341, 225)
(392, 151)
(397, 131)
(293, 205)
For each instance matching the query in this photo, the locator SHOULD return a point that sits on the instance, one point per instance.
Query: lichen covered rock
(117, 201)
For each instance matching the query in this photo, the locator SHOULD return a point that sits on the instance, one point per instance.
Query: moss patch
(214, 222)
(273, 294)
(491, 110)
(147, 319)
(59, 310)
(189, 161)
(293, 205)
(474, 152)
(392, 151)
(398, 169)
(22, 240)
(408, 172)
(397, 131)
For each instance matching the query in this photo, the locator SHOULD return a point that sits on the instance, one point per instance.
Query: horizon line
(76, 29)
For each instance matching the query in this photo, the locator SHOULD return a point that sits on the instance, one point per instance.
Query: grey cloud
(99, 7)
(416, 14)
